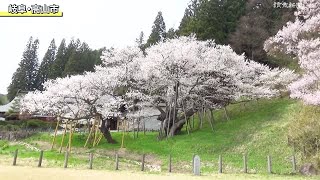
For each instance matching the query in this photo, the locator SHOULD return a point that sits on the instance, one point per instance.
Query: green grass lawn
(257, 128)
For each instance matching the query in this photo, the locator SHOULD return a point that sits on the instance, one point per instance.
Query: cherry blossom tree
(93, 95)
(188, 75)
(78, 97)
(301, 39)
(179, 77)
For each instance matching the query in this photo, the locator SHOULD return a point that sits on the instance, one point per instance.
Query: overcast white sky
(98, 22)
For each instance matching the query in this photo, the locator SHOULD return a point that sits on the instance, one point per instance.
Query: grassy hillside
(258, 128)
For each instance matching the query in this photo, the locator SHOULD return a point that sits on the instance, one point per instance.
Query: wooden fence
(196, 165)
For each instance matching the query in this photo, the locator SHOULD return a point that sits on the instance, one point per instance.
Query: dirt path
(33, 173)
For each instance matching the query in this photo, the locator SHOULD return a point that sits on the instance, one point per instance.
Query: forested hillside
(74, 58)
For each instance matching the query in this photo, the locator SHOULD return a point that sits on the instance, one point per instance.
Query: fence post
(66, 159)
(304, 152)
(269, 164)
(245, 163)
(294, 164)
(40, 158)
(117, 161)
(15, 156)
(90, 160)
(170, 161)
(142, 163)
(220, 164)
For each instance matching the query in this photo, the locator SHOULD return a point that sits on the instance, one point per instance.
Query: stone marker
(196, 165)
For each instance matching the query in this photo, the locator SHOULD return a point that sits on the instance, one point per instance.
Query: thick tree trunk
(181, 120)
(171, 128)
(106, 133)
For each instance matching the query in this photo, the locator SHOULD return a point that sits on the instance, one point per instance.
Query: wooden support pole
(245, 164)
(269, 164)
(123, 133)
(212, 115)
(90, 160)
(190, 123)
(220, 164)
(317, 144)
(142, 162)
(55, 133)
(164, 123)
(70, 138)
(185, 118)
(128, 127)
(200, 118)
(144, 127)
(66, 157)
(138, 129)
(89, 135)
(211, 124)
(169, 120)
(40, 159)
(170, 164)
(160, 131)
(294, 164)
(211, 120)
(15, 156)
(117, 161)
(118, 123)
(63, 136)
(226, 113)
(96, 132)
(101, 135)
(134, 132)
(193, 121)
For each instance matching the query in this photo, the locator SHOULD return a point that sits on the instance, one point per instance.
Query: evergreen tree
(96, 55)
(73, 46)
(25, 77)
(158, 32)
(60, 61)
(171, 34)
(218, 18)
(140, 42)
(212, 19)
(45, 69)
(81, 60)
(189, 21)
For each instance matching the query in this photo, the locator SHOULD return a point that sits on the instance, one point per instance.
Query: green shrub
(12, 116)
(35, 124)
(304, 133)
(10, 127)
(23, 124)
(4, 144)
(16, 122)
(3, 123)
